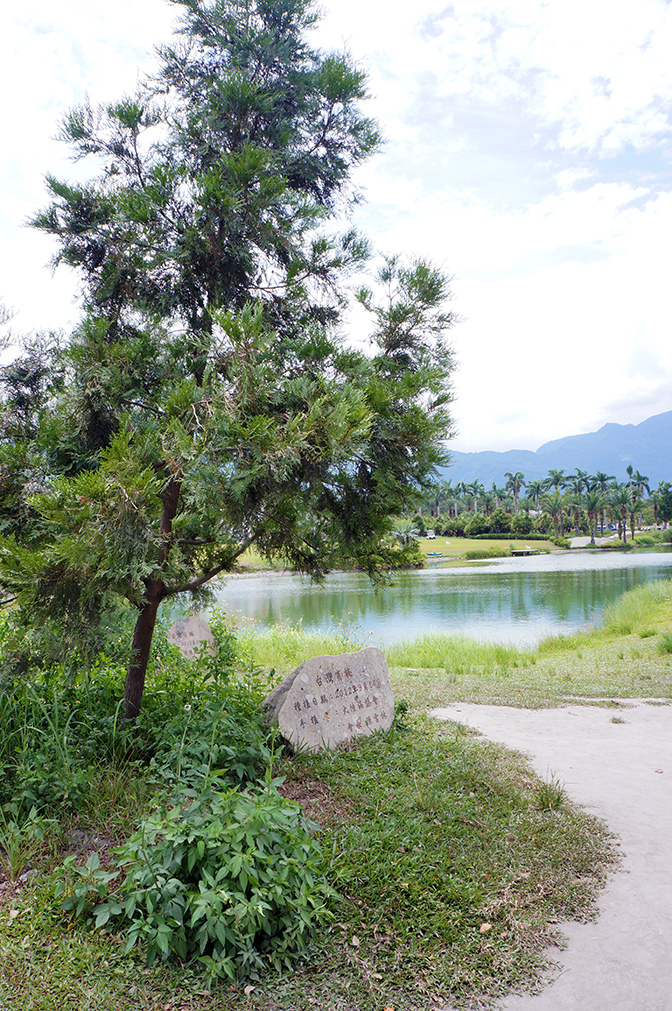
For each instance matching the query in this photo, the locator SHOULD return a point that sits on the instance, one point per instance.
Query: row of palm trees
(562, 497)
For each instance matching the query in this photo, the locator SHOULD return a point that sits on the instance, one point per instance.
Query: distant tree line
(557, 505)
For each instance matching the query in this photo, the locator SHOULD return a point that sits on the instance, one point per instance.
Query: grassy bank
(455, 549)
(627, 656)
(448, 860)
(452, 549)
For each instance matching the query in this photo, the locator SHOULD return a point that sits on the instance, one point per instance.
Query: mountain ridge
(647, 446)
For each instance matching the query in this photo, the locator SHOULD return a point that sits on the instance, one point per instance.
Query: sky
(528, 154)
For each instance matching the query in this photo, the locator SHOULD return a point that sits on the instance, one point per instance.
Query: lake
(517, 600)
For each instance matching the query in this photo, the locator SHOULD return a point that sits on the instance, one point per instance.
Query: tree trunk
(155, 592)
(137, 668)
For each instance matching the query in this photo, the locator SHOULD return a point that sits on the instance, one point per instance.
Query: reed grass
(284, 647)
(630, 613)
(456, 654)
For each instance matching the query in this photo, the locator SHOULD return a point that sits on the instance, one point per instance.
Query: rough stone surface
(331, 700)
(190, 634)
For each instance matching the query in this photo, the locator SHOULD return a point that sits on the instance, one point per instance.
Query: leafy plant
(21, 839)
(234, 880)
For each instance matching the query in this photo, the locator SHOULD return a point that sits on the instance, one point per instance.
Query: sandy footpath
(623, 773)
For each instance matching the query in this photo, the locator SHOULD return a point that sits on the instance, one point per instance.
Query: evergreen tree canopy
(209, 399)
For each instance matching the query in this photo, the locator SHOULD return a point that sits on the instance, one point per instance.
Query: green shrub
(486, 553)
(501, 522)
(478, 524)
(59, 727)
(235, 881)
(454, 527)
(501, 537)
(522, 524)
(419, 524)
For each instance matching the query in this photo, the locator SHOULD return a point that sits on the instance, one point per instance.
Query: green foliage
(550, 794)
(522, 524)
(528, 537)
(405, 533)
(21, 838)
(455, 527)
(208, 400)
(478, 524)
(60, 728)
(501, 522)
(419, 524)
(632, 611)
(457, 654)
(665, 644)
(234, 880)
(284, 647)
(485, 553)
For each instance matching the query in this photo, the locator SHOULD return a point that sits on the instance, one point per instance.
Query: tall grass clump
(63, 730)
(284, 647)
(665, 644)
(632, 612)
(457, 654)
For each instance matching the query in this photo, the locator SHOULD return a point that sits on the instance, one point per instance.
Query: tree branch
(195, 583)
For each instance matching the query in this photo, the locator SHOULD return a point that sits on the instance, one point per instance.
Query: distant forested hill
(647, 446)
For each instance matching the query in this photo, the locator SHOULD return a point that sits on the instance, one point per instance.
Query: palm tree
(593, 503)
(554, 504)
(405, 533)
(633, 505)
(663, 502)
(489, 501)
(602, 483)
(475, 489)
(579, 479)
(662, 489)
(499, 493)
(555, 479)
(576, 484)
(515, 482)
(619, 499)
(640, 484)
(535, 489)
(575, 502)
(445, 495)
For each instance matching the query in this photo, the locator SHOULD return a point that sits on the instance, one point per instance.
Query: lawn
(450, 862)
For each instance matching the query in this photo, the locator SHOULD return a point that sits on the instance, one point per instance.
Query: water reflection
(517, 600)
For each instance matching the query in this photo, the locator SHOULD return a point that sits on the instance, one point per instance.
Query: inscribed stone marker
(190, 635)
(330, 700)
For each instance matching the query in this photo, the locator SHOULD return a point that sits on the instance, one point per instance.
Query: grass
(282, 648)
(450, 874)
(459, 548)
(630, 656)
(452, 548)
(452, 861)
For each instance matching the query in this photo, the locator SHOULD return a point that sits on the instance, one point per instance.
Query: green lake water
(517, 600)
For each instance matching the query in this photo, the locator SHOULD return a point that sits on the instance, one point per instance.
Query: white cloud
(528, 154)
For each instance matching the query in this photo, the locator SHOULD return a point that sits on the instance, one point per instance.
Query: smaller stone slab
(331, 700)
(191, 635)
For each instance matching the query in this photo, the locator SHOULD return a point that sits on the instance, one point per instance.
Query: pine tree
(210, 399)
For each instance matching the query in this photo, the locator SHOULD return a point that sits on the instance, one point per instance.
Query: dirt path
(623, 773)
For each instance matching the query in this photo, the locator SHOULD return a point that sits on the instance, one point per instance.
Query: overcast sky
(529, 154)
